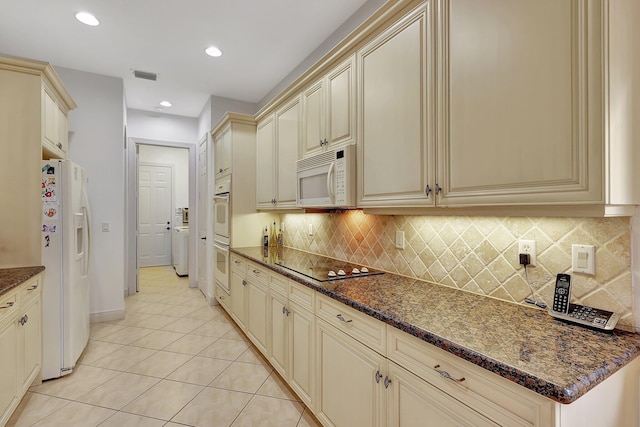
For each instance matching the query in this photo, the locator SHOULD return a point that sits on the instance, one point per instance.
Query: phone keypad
(588, 316)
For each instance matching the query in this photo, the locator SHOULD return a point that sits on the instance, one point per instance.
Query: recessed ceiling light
(87, 18)
(165, 104)
(213, 51)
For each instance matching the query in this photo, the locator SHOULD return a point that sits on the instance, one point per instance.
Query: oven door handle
(221, 247)
(224, 197)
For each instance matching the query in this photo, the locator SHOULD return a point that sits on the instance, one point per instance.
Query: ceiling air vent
(145, 75)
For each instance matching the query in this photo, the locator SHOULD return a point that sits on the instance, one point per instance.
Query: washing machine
(180, 250)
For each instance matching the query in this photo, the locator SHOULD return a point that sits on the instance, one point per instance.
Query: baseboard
(106, 316)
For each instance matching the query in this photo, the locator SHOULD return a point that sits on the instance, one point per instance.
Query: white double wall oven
(222, 227)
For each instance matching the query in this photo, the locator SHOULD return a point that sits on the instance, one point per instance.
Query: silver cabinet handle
(244, 282)
(59, 145)
(236, 261)
(387, 381)
(446, 374)
(256, 271)
(378, 377)
(9, 304)
(342, 319)
(31, 288)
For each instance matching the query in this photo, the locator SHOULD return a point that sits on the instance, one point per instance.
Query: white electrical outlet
(528, 247)
(310, 229)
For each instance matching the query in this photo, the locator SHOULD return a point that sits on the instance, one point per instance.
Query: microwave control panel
(343, 185)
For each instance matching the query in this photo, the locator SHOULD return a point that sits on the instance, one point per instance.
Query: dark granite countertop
(12, 277)
(522, 344)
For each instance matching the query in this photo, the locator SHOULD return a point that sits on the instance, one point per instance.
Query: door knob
(203, 238)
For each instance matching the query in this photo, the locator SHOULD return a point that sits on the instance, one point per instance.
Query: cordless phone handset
(562, 293)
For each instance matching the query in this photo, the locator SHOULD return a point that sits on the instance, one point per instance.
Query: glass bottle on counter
(265, 238)
(279, 238)
(273, 238)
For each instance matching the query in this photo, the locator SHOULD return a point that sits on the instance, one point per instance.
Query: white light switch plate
(400, 239)
(583, 259)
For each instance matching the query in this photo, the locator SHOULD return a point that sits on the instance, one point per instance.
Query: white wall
(162, 127)
(96, 142)
(216, 107)
(179, 159)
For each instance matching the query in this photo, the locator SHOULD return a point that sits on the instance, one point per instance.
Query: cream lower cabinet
(277, 141)
(20, 344)
(350, 393)
(237, 287)
(9, 378)
(30, 334)
(257, 306)
(292, 335)
(224, 298)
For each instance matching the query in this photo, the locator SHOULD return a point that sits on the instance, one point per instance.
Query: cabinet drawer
(360, 326)
(8, 305)
(279, 284)
(239, 264)
(257, 274)
(223, 297)
(30, 290)
(302, 295)
(487, 393)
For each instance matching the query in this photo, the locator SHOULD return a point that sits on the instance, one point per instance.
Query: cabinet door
(348, 393)
(279, 328)
(63, 131)
(313, 120)
(50, 135)
(301, 353)
(238, 311)
(265, 163)
(223, 153)
(340, 104)
(256, 315)
(31, 343)
(8, 368)
(520, 120)
(395, 156)
(414, 402)
(223, 298)
(288, 137)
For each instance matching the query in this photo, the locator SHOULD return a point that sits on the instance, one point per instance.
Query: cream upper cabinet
(55, 136)
(265, 163)
(395, 105)
(520, 119)
(328, 109)
(278, 137)
(222, 150)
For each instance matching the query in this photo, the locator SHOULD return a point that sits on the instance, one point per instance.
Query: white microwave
(328, 179)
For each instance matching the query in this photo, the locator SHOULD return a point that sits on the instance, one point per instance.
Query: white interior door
(203, 200)
(155, 183)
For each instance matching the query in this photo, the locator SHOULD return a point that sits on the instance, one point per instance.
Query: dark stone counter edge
(12, 277)
(560, 393)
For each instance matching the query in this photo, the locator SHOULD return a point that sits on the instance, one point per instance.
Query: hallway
(173, 361)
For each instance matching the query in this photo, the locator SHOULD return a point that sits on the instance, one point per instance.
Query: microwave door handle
(332, 195)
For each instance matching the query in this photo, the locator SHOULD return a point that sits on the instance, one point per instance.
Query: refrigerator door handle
(87, 214)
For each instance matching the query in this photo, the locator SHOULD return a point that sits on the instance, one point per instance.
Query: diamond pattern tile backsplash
(479, 254)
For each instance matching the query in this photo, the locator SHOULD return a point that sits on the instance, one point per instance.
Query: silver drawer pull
(244, 282)
(387, 381)
(236, 261)
(31, 288)
(256, 271)
(8, 305)
(446, 374)
(342, 319)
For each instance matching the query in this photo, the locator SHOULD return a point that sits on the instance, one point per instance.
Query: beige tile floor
(172, 361)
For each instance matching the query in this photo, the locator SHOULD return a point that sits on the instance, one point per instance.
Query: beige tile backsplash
(479, 254)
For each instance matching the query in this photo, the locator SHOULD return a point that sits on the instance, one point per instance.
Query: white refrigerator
(65, 255)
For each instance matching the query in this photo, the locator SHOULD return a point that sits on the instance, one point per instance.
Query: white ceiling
(262, 41)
